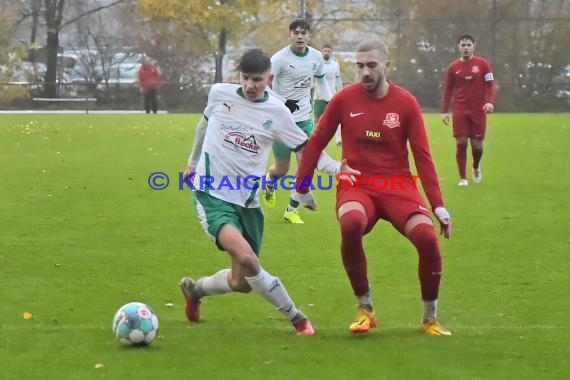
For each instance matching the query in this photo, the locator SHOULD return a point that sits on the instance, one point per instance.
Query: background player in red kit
(470, 80)
(378, 119)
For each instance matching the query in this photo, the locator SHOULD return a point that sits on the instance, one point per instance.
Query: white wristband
(442, 213)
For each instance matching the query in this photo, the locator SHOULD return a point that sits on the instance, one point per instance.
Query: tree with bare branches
(53, 15)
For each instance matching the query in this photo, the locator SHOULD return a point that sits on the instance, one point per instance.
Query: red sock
(429, 270)
(352, 227)
(477, 154)
(461, 158)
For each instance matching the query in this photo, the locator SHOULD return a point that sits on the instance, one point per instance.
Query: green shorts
(319, 106)
(213, 213)
(281, 150)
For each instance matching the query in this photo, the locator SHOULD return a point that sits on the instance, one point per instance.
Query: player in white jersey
(293, 69)
(245, 130)
(333, 77)
(226, 170)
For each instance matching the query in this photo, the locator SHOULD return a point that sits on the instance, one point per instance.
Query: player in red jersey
(379, 119)
(470, 80)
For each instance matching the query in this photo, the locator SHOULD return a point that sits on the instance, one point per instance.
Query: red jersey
(471, 82)
(149, 78)
(375, 134)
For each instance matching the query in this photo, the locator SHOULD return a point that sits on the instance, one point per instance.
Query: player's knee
(353, 224)
(461, 141)
(245, 264)
(424, 238)
(477, 144)
(428, 236)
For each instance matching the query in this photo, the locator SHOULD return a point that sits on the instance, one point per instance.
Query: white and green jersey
(293, 77)
(331, 69)
(238, 141)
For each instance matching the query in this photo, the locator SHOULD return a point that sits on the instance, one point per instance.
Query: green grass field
(81, 233)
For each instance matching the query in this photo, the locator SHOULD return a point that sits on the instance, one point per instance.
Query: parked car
(128, 58)
(27, 72)
(120, 74)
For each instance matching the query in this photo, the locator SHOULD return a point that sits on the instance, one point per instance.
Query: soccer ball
(135, 324)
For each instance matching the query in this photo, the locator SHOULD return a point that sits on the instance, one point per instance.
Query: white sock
(293, 204)
(430, 310)
(215, 284)
(271, 288)
(269, 186)
(366, 301)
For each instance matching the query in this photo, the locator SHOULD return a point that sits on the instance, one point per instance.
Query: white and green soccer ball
(135, 324)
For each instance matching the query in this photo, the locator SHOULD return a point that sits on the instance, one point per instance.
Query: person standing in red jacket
(470, 80)
(149, 82)
(379, 119)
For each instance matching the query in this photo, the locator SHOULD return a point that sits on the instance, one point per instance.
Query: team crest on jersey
(267, 124)
(392, 120)
(314, 67)
(475, 69)
(243, 142)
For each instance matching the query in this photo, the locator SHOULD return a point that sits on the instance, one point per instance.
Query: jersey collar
(264, 99)
(297, 54)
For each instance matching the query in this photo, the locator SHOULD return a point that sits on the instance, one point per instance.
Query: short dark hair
(466, 37)
(327, 46)
(254, 61)
(300, 23)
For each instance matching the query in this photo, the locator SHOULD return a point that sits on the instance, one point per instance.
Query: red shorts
(471, 124)
(394, 205)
